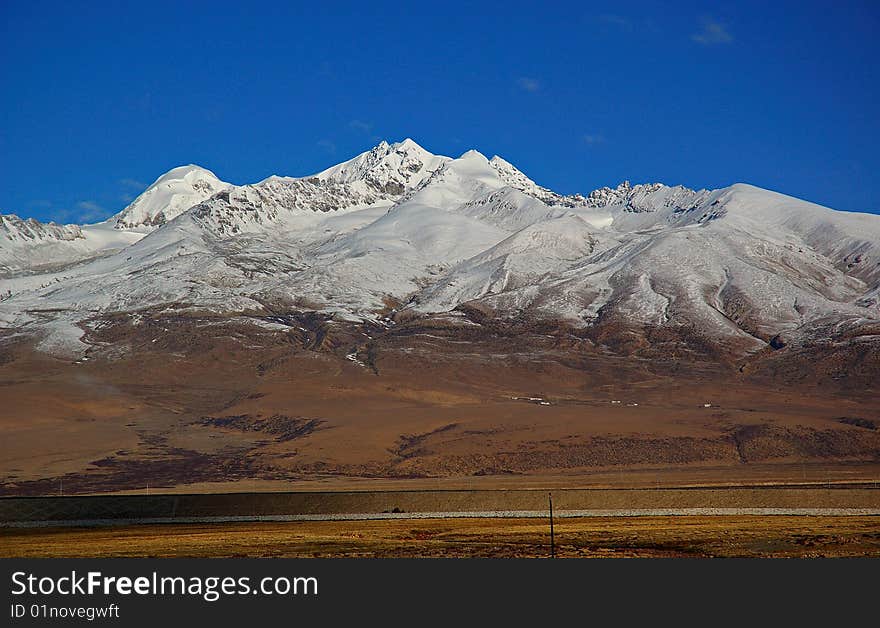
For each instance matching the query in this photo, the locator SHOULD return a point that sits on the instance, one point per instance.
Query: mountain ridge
(439, 235)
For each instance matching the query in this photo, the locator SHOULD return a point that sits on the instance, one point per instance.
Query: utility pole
(552, 539)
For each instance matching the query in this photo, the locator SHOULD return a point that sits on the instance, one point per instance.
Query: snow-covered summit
(387, 168)
(169, 196)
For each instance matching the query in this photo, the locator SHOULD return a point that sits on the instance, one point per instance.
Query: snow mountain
(169, 196)
(29, 246)
(398, 232)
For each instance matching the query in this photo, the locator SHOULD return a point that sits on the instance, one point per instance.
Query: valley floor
(188, 404)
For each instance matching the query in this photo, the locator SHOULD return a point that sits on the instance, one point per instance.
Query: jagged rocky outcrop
(19, 230)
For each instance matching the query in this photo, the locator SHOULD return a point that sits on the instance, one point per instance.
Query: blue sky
(99, 99)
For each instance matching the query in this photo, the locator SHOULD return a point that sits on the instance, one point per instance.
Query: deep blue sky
(100, 99)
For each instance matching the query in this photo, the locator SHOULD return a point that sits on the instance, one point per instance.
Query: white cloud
(712, 33)
(327, 146)
(360, 125)
(82, 212)
(89, 211)
(528, 84)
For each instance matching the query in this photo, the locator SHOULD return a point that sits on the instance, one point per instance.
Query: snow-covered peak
(458, 181)
(473, 155)
(188, 171)
(510, 173)
(169, 196)
(515, 178)
(387, 168)
(410, 144)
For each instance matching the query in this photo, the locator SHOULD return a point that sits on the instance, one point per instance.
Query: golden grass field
(600, 537)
